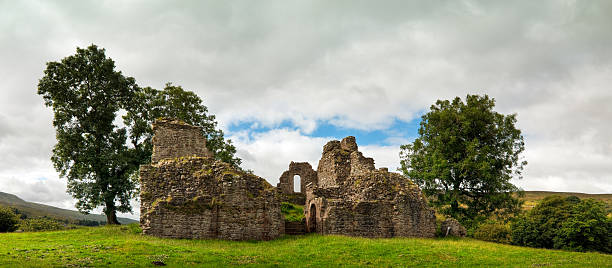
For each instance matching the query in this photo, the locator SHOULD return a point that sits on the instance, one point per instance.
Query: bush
(494, 232)
(8, 220)
(565, 223)
(40, 224)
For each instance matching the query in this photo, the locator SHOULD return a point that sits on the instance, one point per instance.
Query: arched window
(297, 183)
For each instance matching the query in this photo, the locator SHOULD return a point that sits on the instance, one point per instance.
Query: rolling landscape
(311, 133)
(35, 210)
(531, 198)
(121, 246)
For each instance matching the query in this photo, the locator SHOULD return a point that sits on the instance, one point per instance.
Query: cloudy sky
(284, 77)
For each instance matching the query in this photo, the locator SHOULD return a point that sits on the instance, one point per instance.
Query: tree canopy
(97, 154)
(464, 158)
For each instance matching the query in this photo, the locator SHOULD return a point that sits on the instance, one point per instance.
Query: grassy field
(123, 246)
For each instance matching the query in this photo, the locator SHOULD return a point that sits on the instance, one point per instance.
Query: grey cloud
(355, 64)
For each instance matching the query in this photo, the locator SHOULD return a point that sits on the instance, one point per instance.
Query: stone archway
(304, 171)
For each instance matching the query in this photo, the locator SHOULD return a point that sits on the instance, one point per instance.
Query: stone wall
(304, 170)
(452, 227)
(174, 138)
(352, 198)
(185, 196)
(185, 193)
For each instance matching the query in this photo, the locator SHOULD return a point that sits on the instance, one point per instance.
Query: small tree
(8, 220)
(464, 158)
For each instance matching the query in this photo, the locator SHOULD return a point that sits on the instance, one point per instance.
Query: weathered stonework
(174, 139)
(286, 182)
(185, 193)
(351, 197)
(452, 227)
(302, 169)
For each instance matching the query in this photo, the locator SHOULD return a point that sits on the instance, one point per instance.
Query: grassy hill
(533, 197)
(33, 210)
(123, 246)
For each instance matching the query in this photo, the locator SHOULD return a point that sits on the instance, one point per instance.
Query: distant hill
(33, 210)
(533, 197)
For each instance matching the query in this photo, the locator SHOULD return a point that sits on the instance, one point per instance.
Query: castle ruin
(351, 197)
(185, 193)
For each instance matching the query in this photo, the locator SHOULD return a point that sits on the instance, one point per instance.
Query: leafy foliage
(40, 224)
(565, 223)
(494, 231)
(464, 158)
(8, 219)
(87, 95)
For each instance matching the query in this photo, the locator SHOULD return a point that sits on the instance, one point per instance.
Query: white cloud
(357, 64)
(37, 185)
(269, 153)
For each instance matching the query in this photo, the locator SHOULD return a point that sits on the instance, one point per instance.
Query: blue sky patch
(399, 131)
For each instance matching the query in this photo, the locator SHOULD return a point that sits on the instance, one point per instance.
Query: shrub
(40, 224)
(564, 223)
(494, 232)
(587, 229)
(8, 220)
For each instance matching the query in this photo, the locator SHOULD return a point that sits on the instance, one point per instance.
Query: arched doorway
(312, 219)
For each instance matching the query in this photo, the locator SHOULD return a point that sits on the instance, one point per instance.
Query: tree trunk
(455, 207)
(111, 215)
(455, 200)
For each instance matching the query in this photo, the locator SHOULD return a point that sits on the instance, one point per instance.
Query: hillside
(124, 246)
(533, 197)
(33, 210)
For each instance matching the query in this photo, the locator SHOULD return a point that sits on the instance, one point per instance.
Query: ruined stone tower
(351, 197)
(185, 193)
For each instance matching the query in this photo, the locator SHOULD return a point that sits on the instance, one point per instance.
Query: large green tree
(86, 92)
(464, 158)
(99, 156)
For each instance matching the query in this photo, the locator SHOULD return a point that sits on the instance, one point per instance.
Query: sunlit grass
(123, 246)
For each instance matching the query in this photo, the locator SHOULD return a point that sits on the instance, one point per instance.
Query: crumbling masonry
(185, 193)
(351, 197)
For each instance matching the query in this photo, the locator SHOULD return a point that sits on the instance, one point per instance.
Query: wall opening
(312, 219)
(297, 184)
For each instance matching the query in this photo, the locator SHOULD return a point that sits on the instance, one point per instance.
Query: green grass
(123, 246)
(292, 212)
